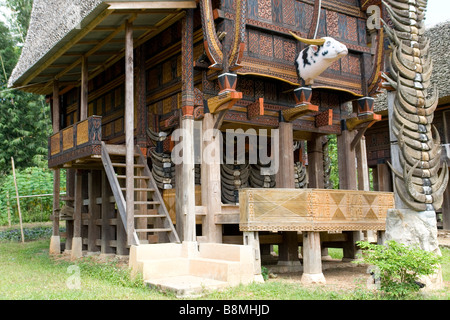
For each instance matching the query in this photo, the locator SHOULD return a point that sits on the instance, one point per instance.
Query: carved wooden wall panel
(313, 210)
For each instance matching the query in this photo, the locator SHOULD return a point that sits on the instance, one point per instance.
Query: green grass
(28, 272)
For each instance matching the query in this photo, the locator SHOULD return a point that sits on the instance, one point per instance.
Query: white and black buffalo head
(316, 58)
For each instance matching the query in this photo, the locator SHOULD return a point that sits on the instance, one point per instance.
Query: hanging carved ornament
(420, 185)
(226, 60)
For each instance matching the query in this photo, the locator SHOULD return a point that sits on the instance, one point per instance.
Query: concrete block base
(77, 248)
(55, 245)
(315, 278)
(190, 268)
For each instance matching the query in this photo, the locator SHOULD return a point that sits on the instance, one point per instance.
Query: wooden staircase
(152, 223)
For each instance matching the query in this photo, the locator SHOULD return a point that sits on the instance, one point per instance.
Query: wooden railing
(80, 140)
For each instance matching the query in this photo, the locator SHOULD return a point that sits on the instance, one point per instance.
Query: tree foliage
(24, 117)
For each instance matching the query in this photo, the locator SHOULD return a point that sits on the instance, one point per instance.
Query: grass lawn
(27, 272)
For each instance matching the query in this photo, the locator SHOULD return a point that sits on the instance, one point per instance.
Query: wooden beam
(123, 5)
(67, 46)
(95, 49)
(129, 129)
(162, 25)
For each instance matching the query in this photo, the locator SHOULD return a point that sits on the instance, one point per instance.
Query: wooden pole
(187, 192)
(84, 88)
(288, 250)
(210, 177)
(94, 190)
(315, 162)
(129, 130)
(55, 242)
(348, 181)
(8, 208)
(77, 243)
(17, 198)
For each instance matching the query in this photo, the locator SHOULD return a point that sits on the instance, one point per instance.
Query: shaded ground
(349, 276)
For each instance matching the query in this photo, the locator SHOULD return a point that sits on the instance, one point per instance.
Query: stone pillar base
(413, 228)
(416, 228)
(313, 278)
(77, 248)
(55, 245)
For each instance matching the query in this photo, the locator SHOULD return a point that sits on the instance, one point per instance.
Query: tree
(21, 13)
(24, 117)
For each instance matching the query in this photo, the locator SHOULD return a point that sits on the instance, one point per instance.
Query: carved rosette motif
(420, 185)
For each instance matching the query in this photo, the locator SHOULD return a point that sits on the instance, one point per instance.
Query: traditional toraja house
(377, 137)
(123, 76)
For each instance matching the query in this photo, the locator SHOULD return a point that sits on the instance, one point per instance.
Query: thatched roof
(440, 54)
(51, 24)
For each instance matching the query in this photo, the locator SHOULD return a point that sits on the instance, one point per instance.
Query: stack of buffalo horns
(419, 185)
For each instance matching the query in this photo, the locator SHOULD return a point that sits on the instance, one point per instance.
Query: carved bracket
(298, 111)
(222, 101)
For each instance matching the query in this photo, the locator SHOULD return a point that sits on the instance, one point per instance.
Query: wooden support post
(252, 239)
(446, 209)
(84, 88)
(384, 178)
(77, 243)
(142, 117)
(288, 249)
(55, 240)
(186, 194)
(315, 162)
(312, 258)
(362, 167)
(70, 193)
(107, 215)
(210, 177)
(129, 130)
(94, 192)
(346, 160)
(348, 181)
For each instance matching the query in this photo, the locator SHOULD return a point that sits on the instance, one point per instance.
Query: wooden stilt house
(122, 76)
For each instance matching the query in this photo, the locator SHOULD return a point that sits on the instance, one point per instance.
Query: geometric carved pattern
(87, 136)
(313, 210)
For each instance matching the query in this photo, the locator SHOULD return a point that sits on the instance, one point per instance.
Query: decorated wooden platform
(82, 139)
(313, 210)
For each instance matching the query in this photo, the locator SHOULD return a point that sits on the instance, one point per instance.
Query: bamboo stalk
(18, 201)
(8, 208)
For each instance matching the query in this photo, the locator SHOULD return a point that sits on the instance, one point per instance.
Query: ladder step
(118, 150)
(154, 230)
(147, 202)
(140, 189)
(119, 176)
(149, 216)
(147, 212)
(123, 165)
